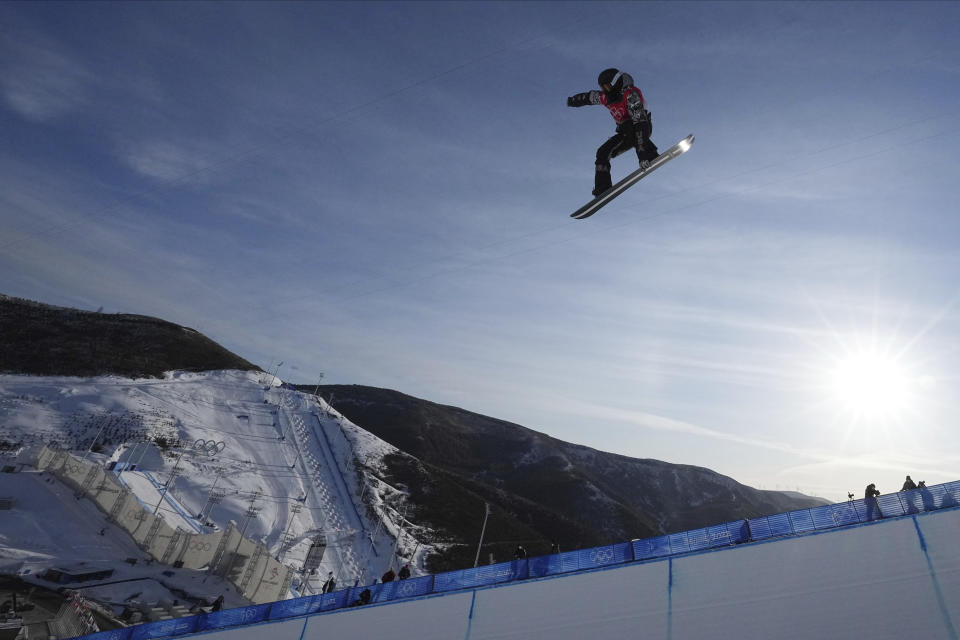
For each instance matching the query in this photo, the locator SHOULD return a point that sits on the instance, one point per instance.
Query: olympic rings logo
(721, 535)
(209, 447)
(601, 556)
(197, 545)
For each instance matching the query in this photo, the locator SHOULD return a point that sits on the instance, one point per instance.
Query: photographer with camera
(873, 507)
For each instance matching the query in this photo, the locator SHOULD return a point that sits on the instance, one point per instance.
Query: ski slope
(889, 579)
(81, 536)
(280, 464)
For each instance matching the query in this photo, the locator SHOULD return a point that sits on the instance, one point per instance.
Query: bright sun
(870, 383)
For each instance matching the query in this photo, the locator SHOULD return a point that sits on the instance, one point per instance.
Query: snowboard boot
(601, 182)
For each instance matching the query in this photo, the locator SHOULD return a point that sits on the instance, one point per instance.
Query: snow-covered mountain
(287, 469)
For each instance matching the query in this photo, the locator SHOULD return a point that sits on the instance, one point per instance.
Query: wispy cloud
(819, 461)
(168, 161)
(660, 423)
(943, 466)
(39, 78)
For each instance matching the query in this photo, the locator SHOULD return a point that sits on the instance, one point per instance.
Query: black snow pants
(628, 136)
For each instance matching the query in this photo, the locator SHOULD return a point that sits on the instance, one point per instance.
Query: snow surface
(288, 458)
(49, 527)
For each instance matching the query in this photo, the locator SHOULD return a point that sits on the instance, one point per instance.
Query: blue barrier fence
(792, 523)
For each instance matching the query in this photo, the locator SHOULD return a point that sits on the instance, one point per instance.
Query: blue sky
(380, 192)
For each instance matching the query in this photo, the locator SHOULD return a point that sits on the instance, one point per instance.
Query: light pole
(143, 453)
(285, 540)
(299, 451)
(486, 506)
(87, 452)
(129, 458)
(251, 513)
(166, 485)
(275, 371)
(396, 543)
(220, 474)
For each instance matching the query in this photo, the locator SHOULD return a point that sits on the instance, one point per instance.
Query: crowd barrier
(798, 522)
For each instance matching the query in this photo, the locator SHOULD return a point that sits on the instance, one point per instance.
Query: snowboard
(604, 198)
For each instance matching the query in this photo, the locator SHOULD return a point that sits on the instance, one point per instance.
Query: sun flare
(870, 383)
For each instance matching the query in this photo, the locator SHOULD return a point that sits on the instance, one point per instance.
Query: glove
(579, 100)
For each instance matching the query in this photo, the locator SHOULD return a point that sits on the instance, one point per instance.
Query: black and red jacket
(625, 105)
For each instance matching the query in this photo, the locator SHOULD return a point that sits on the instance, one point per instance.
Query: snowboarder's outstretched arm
(584, 99)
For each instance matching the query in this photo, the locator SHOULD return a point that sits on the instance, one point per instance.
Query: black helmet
(608, 76)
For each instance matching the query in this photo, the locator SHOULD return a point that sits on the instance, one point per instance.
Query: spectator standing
(870, 497)
(907, 501)
(388, 576)
(330, 585)
(404, 572)
(926, 496)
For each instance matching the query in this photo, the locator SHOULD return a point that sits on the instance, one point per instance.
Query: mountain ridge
(613, 496)
(43, 339)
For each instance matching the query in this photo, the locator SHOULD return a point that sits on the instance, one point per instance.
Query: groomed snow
(286, 457)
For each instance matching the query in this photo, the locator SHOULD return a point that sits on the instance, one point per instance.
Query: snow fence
(248, 565)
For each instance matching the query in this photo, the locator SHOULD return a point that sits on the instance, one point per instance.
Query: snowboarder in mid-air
(634, 124)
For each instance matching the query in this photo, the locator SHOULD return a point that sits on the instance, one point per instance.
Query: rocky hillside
(542, 489)
(40, 339)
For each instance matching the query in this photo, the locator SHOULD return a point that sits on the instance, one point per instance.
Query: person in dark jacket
(364, 598)
(388, 576)
(926, 496)
(634, 123)
(330, 585)
(870, 497)
(404, 572)
(520, 552)
(909, 484)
